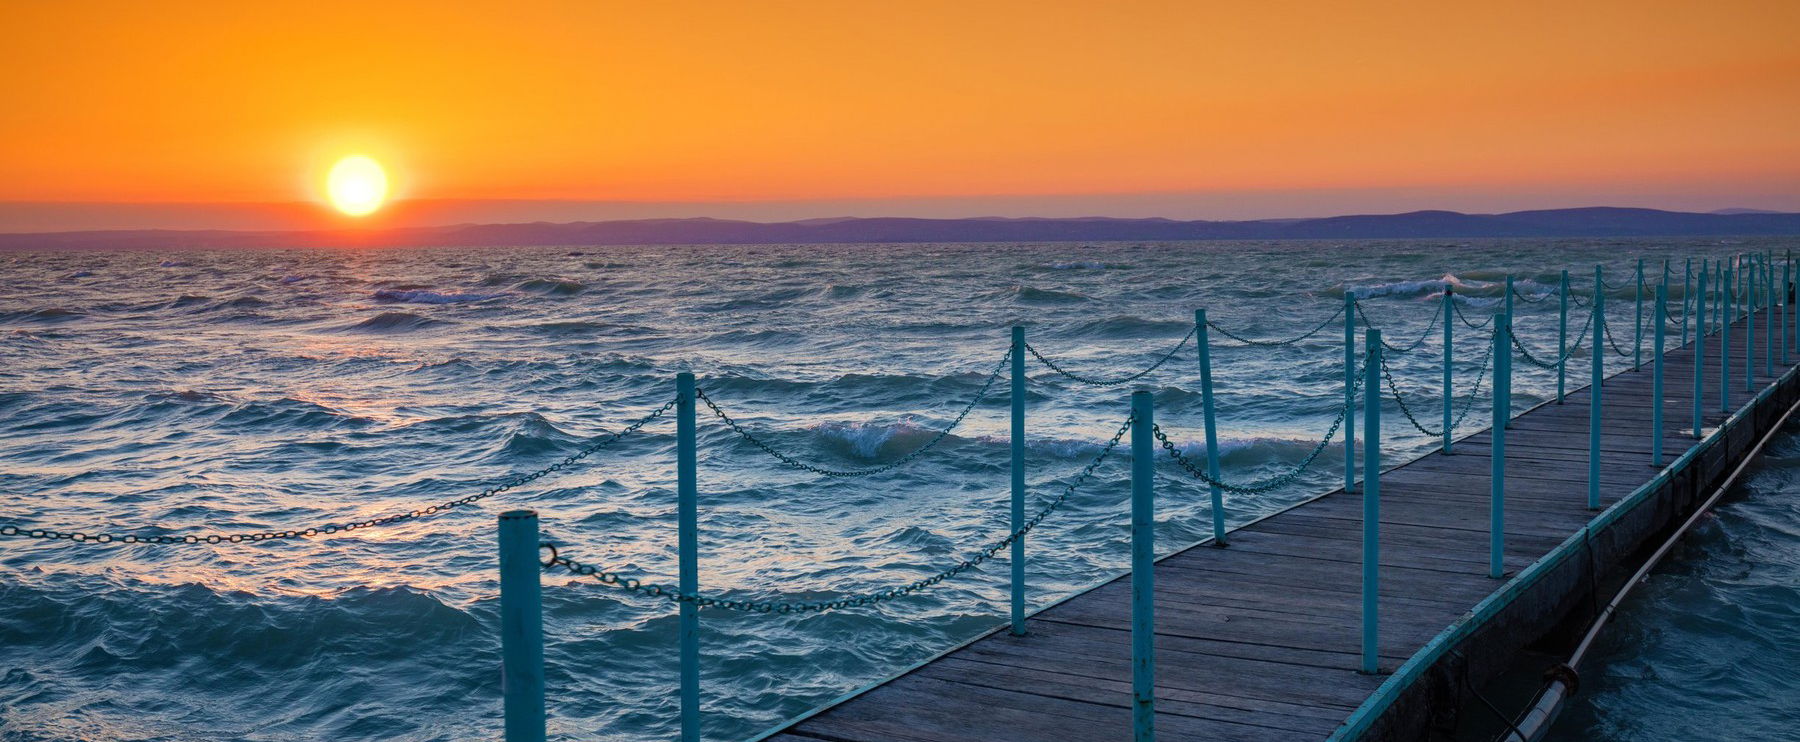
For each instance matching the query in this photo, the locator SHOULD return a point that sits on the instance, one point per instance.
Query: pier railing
(1725, 292)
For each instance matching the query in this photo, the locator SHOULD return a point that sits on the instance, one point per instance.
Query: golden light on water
(357, 185)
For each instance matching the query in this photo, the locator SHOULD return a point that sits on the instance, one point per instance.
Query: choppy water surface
(195, 392)
(1709, 647)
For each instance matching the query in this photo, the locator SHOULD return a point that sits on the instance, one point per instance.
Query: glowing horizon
(1063, 106)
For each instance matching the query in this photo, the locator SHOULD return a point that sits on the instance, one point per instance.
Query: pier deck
(1260, 641)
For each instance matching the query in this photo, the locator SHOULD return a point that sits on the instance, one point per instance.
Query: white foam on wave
(866, 440)
(1078, 265)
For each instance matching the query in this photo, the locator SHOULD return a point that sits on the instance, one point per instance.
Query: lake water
(191, 392)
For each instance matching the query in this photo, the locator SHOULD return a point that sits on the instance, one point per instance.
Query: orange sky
(907, 102)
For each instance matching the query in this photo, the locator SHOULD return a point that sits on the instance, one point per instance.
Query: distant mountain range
(1583, 222)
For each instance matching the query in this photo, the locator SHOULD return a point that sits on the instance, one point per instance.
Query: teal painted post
(1449, 297)
(1699, 317)
(1143, 575)
(1562, 335)
(1726, 314)
(1749, 327)
(1497, 456)
(1509, 296)
(1656, 385)
(1018, 478)
(1594, 393)
(1782, 299)
(687, 553)
(1769, 312)
(1793, 312)
(1371, 515)
(521, 627)
(1349, 391)
(1637, 338)
(1208, 413)
(1687, 296)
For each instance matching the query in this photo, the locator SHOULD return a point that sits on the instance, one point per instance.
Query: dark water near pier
(177, 392)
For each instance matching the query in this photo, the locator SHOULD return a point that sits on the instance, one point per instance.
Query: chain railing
(1468, 400)
(334, 528)
(1414, 345)
(870, 598)
(791, 461)
(1091, 381)
(1465, 318)
(1567, 353)
(1271, 483)
(1282, 342)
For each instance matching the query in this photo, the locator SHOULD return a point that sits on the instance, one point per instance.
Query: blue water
(202, 392)
(1709, 646)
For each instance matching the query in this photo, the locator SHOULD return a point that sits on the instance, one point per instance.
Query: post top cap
(517, 514)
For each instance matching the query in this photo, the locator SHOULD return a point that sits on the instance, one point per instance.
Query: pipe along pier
(1365, 613)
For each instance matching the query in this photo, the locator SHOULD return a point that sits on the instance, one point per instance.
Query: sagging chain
(216, 538)
(1416, 343)
(1567, 353)
(1276, 343)
(1090, 381)
(1528, 300)
(819, 606)
(871, 471)
(1468, 403)
(1465, 318)
(1272, 483)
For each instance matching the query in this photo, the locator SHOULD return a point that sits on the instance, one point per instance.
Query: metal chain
(1273, 343)
(818, 606)
(1529, 300)
(1569, 352)
(1271, 483)
(871, 471)
(1465, 318)
(1606, 328)
(1090, 381)
(234, 538)
(1416, 343)
(1468, 404)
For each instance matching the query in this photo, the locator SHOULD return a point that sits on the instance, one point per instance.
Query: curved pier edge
(1411, 696)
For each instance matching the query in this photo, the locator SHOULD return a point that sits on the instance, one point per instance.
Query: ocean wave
(551, 286)
(47, 314)
(873, 441)
(424, 296)
(1034, 295)
(1128, 326)
(1078, 265)
(395, 322)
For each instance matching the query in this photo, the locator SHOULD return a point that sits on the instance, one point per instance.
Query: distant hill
(1584, 222)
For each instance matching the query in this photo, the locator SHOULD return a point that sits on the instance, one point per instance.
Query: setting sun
(357, 185)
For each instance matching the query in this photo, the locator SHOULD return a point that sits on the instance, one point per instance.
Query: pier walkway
(1258, 641)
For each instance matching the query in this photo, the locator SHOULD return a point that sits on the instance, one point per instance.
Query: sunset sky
(229, 114)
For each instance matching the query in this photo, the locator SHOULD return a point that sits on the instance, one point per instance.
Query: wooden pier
(1261, 640)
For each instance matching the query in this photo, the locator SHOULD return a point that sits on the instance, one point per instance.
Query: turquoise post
(1637, 338)
(1699, 317)
(1018, 479)
(1509, 296)
(1599, 356)
(1781, 297)
(1768, 299)
(1449, 297)
(1207, 412)
(1371, 515)
(687, 553)
(1656, 385)
(1349, 391)
(1793, 313)
(521, 627)
(1497, 456)
(1143, 575)
(1749, 327)
(1726, 317)
(1687, 295)
(1562, 335)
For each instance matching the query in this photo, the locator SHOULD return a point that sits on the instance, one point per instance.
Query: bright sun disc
(357, 185)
